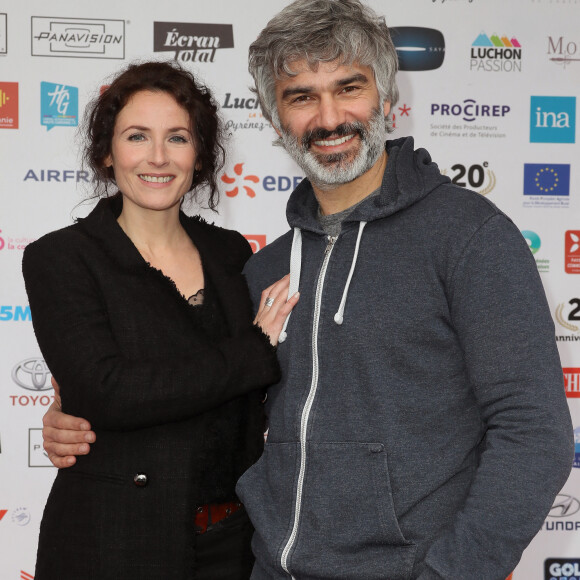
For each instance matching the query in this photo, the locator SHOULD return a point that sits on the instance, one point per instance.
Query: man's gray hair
(317, 31)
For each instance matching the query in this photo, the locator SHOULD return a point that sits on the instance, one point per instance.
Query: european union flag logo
(545, 179)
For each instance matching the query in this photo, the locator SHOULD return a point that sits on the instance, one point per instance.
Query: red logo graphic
(3, 513)
(238, 170)
(403, 112)
(256, 241)
(8, 105)
(572, 252)
(572, 382)
(25, 575)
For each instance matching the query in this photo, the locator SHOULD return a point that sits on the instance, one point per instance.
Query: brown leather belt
(212, 513)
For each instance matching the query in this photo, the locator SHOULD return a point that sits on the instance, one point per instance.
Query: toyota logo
(564, 506)
(32, 374)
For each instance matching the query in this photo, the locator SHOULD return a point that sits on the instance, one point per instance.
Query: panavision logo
(192, 42)
(78, 37)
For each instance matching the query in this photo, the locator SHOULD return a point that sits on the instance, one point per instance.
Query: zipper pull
(331, 241)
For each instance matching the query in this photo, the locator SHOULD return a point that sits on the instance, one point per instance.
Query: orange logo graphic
(257, 241)
(238, 170)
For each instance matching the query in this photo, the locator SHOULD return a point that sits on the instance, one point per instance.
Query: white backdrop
(500, 119)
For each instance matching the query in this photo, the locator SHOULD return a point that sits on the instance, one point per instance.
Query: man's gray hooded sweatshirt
(420, 429)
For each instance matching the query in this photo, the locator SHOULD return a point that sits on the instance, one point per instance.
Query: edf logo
(553, 120)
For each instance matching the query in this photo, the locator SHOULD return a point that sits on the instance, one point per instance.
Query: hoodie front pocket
(348, 527)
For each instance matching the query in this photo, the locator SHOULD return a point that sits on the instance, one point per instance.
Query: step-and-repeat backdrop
(490, 89)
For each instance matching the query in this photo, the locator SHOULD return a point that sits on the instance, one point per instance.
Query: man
(420, 429)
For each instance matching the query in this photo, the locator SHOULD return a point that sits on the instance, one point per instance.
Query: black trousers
(224, 552)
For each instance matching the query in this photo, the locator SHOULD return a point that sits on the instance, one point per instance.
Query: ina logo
(533, 240)
(553, 120)
(238, 171)
(59, 105)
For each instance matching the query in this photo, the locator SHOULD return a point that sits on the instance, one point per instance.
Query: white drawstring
(295, 265)
(339, 316)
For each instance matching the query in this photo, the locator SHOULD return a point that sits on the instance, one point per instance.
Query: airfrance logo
(418, 48)
(553, 120)
(78, 37)
(562, 569)
(59, 105)
(3, 34)
(8, 105)
(492, 53)
(191, 42)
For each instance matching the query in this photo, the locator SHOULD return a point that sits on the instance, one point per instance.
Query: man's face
(331, 121)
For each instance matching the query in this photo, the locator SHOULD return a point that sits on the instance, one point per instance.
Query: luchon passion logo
(495, 54)
(192, 42)
(78, 37)
(418, 48)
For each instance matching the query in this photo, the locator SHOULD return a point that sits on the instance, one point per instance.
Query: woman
(144, 318)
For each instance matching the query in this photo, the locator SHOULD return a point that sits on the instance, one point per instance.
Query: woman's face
(153, 153)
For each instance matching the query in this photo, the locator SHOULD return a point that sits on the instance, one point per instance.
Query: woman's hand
(275, 306)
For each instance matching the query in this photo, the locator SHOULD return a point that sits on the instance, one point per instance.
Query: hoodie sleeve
(501, 315)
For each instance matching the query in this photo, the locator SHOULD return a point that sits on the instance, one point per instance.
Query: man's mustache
(340, 131)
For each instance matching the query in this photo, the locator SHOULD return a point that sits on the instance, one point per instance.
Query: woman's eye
(136, 137)
(178, 139)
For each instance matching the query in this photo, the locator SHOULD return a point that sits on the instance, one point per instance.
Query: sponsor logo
(32, 374)
(568, 317)
(553, 120)
(3, 34)
(495, 53)
(245, 113)
(564, 506)
(15, 313)
(418, 48)
(192, 42)
(59, 105)
(562, 569)
(257, 242)
(20, 516)
(576, 462)
(25, 575)
(78, 37)
(37, 456)
(3, 513)
(535, 243)
(238, 181)
(572, 252)
(398, 117)
(57, 175)
(11, 243)
(546, 185)
(562, 51)
(477, 177)
(8, 105)
(479, 120)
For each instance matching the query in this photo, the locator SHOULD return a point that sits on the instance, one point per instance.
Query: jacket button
(140, 479)
(376, 448)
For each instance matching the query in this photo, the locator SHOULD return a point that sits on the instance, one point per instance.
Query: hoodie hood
(409, 176)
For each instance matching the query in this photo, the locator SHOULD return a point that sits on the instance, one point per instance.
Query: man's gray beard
(329, 171)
